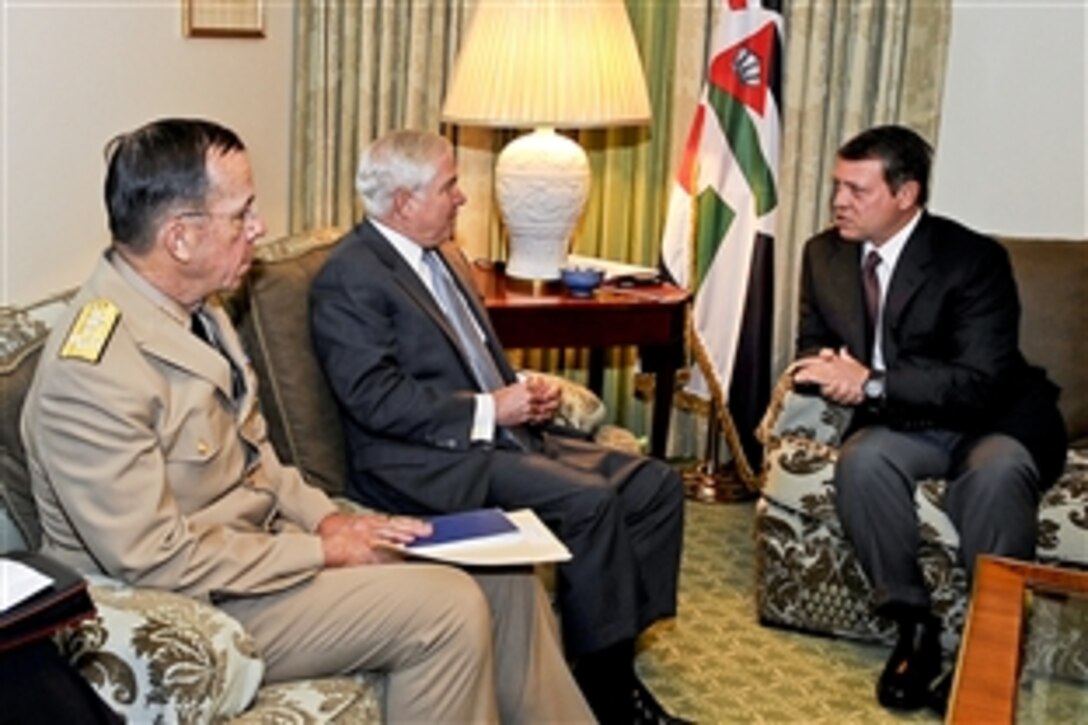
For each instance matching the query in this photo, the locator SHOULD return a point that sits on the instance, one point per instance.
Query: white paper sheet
(19, 582)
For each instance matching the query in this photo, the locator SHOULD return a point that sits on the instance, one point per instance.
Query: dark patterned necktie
(197, 327)
(871, 283)
(200, 327)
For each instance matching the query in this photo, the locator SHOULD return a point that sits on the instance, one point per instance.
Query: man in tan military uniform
(150, 464)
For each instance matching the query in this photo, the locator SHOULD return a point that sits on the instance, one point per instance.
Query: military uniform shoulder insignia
(91, 331)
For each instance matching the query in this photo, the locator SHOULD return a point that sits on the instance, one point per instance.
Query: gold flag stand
(711, 481)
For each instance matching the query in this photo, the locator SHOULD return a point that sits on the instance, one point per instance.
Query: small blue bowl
(581, 281)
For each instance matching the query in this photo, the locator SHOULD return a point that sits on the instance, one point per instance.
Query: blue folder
(466, 525)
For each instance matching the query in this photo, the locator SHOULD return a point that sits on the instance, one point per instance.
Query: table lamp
(546, 65)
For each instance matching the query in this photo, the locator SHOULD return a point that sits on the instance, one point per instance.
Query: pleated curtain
(369, 66)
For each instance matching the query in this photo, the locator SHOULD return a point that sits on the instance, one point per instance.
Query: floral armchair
(807, 575)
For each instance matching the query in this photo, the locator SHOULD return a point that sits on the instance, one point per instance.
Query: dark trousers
(621, 516)
(991, 499)
(40, 686)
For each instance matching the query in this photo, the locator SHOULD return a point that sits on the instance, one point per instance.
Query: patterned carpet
(714, 663)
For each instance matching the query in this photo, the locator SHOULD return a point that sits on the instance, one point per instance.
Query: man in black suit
(438, 421)
(914, 319)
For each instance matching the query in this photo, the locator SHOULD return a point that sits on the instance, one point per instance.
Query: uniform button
(202, 448)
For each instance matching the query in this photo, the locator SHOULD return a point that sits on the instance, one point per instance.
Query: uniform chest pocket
(197, 436)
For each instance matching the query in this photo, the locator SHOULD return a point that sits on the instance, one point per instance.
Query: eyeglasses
(247, 214)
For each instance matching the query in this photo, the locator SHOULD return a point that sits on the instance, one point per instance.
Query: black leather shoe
(648, 711)
(607, 695)
(914, 664)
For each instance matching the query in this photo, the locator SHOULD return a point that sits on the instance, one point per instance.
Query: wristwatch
(874, 386)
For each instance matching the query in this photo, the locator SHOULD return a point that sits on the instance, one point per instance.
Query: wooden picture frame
(223, 18)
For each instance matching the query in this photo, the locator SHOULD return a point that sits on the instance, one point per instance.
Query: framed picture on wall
(223, 18)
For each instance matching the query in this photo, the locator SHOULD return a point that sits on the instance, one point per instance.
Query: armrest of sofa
(796, 415)
(579, 408)
(23, 331)
(800, 435)
(157, 656)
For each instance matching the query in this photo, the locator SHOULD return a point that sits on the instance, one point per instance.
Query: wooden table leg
(596, 370)
(664, 383)
(986, 677)
(663, 361)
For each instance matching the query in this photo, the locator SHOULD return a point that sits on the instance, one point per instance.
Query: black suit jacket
(950, 336)
(404, 386)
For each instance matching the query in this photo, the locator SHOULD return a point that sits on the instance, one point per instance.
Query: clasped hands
(355, 539)
(533, 399)
(840, 376)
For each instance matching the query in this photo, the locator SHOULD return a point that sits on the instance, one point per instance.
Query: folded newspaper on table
(611, 268)
(489, 537)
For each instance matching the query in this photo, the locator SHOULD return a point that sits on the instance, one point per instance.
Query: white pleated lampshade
(554, 63)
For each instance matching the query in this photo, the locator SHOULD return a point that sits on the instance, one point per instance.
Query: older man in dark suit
(914, 319)
(438, 421)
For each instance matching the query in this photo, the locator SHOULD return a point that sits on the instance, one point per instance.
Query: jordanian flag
(718, 239)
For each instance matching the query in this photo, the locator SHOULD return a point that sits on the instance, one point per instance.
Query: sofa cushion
(1063, 514)
(273, 317)
(349, 700)
(1050, 276)
(22, 333)
(156, 656)
(14, 477)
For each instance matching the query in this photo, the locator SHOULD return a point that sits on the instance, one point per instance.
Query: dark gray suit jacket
(950, 336)
(405, 388)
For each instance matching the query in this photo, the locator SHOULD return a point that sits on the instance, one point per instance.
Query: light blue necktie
(460, 318)
(481, 361)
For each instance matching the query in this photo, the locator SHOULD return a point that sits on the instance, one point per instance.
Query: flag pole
(711, 481)
(708, 480)
(720, 243)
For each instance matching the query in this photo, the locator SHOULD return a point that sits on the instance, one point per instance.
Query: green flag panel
(713, 218)
(743, 137)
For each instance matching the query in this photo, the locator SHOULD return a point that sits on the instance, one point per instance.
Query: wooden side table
(530, 314)
(988, 671)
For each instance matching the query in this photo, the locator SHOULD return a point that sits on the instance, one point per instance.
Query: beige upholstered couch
(160, 657)
(807, 575)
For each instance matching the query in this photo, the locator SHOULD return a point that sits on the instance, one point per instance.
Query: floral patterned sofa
(807, 575)
(155, 656)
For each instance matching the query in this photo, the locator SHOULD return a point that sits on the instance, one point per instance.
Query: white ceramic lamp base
(542, 183)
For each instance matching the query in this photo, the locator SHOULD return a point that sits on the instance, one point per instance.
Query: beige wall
(1012, 157)
(76, 73)
(72, 74)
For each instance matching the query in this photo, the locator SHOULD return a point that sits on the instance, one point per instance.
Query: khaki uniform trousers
(456, 648)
